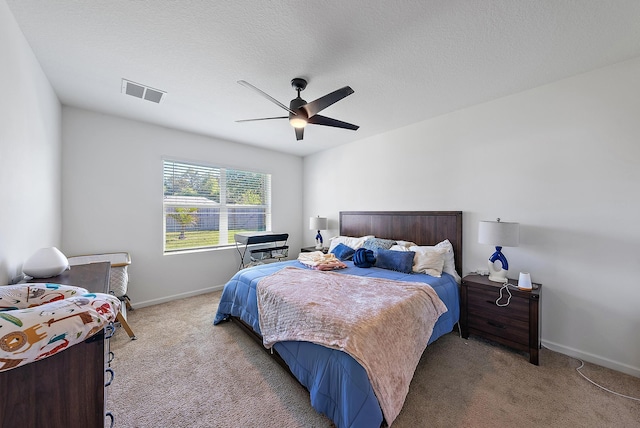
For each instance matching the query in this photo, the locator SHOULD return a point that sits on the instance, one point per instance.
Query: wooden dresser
(68, 388)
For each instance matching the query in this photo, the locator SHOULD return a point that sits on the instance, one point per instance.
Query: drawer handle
(110, 416)
(109, 330)
(110, 371)
(496, 325)
(111, 357)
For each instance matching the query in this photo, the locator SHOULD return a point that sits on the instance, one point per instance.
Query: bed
(339, 386)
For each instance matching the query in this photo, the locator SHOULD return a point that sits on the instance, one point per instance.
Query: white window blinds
(204, 206)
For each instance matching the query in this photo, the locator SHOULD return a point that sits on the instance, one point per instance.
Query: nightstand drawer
(482, 302)
(325, 250)
(514, 330)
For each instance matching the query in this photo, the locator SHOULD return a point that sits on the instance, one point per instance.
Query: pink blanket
(384, 325)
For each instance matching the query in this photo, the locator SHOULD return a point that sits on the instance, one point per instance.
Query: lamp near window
(318, 223)
(501, 234)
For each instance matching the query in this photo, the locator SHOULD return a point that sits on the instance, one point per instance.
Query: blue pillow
(343, 252)
(363, 258)
(401, 261)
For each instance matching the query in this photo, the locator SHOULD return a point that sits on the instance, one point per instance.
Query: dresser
(67, 389)
(514, 322)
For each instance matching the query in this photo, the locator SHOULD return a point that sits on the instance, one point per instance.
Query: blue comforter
(338, 385)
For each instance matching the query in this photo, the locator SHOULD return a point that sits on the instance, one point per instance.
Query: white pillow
(349, 241)
(406, 244)
(449, 260)
(429, 260)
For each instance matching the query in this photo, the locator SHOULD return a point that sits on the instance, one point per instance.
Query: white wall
(563, 160)
(30, 147)
(113, 190)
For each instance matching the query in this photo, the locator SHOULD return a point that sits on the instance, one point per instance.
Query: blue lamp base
(318, 241)
(498, 275)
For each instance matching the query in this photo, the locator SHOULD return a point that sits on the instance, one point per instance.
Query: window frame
(264, 191)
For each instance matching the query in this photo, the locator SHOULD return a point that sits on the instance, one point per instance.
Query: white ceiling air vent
(141, 91)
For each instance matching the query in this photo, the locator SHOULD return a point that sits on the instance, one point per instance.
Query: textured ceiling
(406, 60)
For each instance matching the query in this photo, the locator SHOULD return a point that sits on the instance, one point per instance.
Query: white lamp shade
(45, 263)
(317, 223)
(499, 233)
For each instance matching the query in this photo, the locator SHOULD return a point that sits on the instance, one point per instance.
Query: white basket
(118, 278)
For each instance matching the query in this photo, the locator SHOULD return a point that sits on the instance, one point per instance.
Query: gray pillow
(374, 244)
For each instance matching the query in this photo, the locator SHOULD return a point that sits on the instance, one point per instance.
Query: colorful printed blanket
(385, 325)
(40, 320)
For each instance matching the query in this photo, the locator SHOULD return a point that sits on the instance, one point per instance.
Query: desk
(275, 252)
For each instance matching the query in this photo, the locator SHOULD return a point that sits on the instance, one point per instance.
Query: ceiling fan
(301, 112)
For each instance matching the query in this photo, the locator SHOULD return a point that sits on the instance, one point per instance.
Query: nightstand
(325, 250)
(516, 325)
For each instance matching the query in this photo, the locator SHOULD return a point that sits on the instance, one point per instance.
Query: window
(205, 206)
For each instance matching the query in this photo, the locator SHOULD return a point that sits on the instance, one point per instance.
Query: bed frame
(421, 227)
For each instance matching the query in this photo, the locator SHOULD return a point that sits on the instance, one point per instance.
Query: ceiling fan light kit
(301, 112)
(297, 121)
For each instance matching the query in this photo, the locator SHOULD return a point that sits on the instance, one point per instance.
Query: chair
(118, 280)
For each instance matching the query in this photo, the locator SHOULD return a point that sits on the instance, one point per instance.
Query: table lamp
(45, 263)
(318, 223)
(501, 234)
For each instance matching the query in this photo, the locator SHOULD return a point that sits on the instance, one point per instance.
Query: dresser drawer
(514, 331)
(509, 322)
(483, 302)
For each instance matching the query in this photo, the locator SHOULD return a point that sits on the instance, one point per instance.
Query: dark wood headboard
(421, 227)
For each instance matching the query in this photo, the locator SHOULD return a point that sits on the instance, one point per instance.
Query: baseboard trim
(592, 358)
(166, 299)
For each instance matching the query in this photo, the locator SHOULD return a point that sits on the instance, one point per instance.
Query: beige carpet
(184, 372)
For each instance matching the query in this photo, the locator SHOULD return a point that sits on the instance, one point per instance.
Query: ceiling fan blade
(327, 121)
(264, 94)
(262, 118)
(299, 133)
(323, 102)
